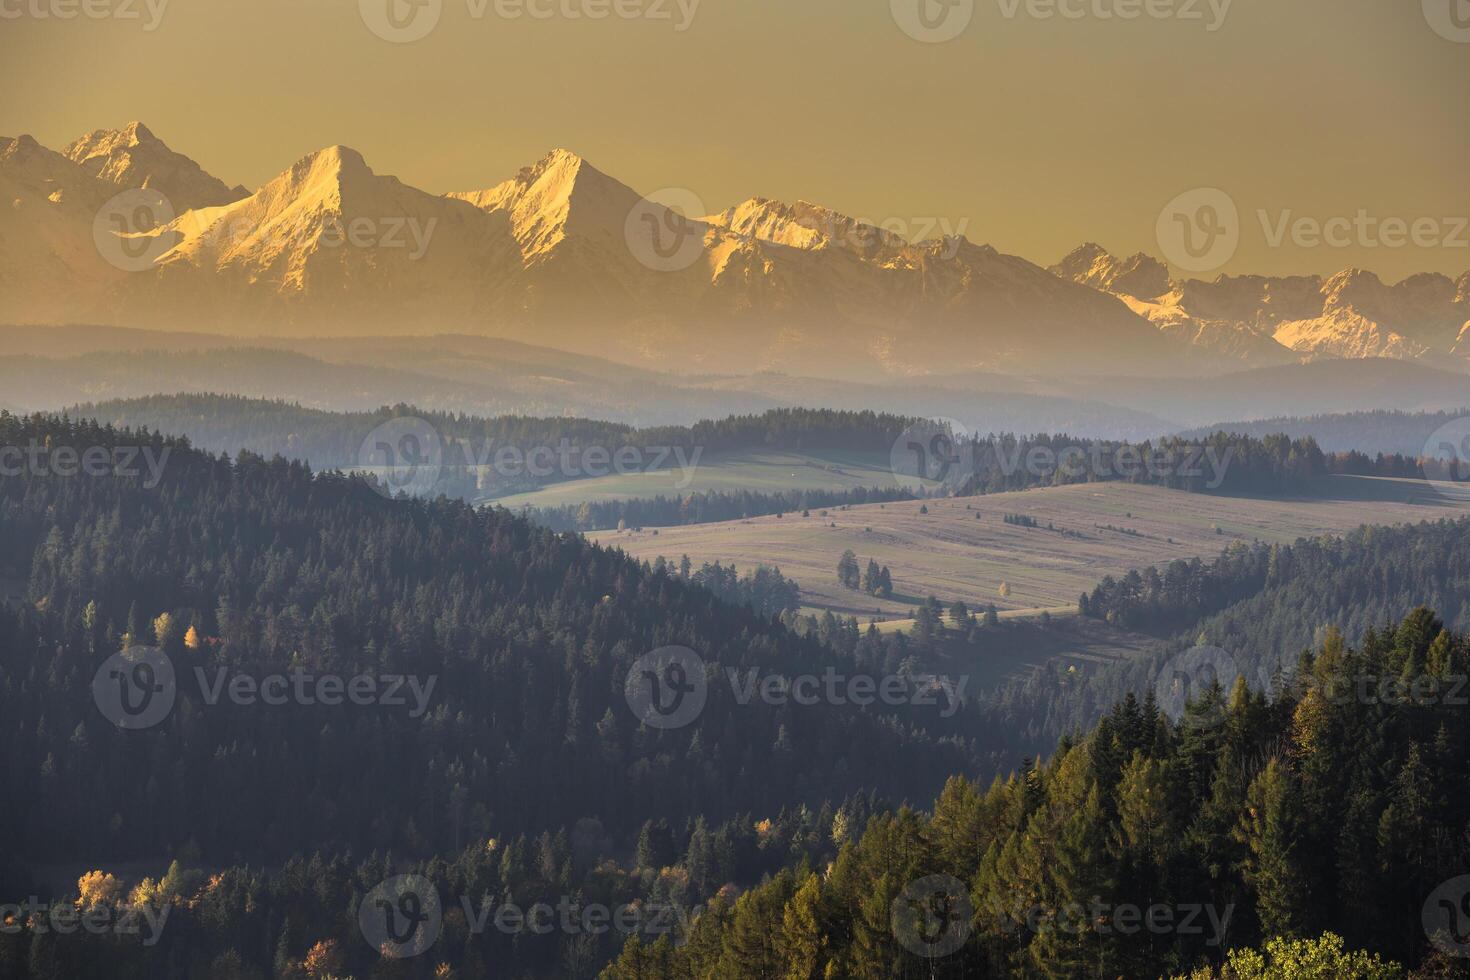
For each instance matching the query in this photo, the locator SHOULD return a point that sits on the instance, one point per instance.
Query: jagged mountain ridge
(557, 253)
(562, 253)
(133, 157)
(1263, 319)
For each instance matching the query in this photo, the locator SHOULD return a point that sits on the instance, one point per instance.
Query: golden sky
(1027, 131)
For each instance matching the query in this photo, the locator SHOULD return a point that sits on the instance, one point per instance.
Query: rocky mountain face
(50, 268)
(132, 157)
(1263, 319)
(566, 255)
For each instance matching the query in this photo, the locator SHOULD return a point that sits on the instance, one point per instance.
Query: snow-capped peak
(1140, 275)
(133, 157)
(558, 197)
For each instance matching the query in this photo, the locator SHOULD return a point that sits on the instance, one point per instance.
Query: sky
(1038, 125)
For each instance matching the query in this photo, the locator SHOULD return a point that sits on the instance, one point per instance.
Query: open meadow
(962, 548)
(756, 470)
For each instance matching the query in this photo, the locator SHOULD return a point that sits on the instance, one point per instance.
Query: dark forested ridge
(1148, 847)
(1371, 433)
(333, 440)
(262, 566)
(1261, 604)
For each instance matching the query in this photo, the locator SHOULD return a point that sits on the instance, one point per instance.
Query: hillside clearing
(963, 549)
(760, 471)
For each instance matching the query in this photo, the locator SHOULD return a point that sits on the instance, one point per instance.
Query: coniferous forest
(1062, 826)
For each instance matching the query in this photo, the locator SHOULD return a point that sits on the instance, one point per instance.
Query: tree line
(1261, 820)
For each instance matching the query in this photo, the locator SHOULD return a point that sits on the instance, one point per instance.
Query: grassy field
(766, 472)
(962, 548)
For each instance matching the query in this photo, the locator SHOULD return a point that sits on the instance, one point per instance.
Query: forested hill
(1150, 848)
(260, 566)
(1387, 432)
(334, 440)
(524, 772)
(1261, 604)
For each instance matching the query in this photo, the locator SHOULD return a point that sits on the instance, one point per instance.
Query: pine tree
(1269, 828)
(802, 945)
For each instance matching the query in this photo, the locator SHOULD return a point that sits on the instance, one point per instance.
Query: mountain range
(562, 254)
(1265, 320)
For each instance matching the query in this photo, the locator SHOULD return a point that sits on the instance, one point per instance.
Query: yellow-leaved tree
(97, 888)
(163, 628)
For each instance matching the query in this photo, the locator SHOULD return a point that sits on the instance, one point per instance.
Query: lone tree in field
(1004, 590)
(848, 572)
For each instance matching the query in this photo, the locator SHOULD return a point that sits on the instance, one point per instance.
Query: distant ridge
(563, 253)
